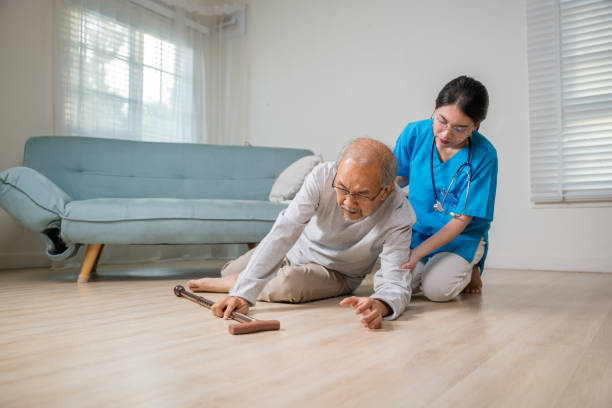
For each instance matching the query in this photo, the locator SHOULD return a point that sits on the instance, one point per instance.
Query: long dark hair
(468, 94)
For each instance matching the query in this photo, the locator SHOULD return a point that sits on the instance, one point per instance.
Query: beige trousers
(294, 283)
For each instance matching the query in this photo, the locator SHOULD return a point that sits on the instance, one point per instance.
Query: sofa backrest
(87, 168)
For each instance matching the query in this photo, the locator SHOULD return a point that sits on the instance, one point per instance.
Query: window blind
(570, 99)
(122, 72)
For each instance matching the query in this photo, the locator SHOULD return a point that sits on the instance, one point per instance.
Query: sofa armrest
(31, 198)
(37, 203)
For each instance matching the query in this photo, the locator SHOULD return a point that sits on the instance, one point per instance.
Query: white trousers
(444, 276)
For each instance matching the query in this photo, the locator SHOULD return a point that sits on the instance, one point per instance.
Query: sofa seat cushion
(167, 221)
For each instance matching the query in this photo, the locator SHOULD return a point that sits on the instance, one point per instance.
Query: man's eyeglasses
(460, 130)
(360, 198)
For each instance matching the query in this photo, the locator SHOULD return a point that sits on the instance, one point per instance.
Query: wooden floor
(533, 339)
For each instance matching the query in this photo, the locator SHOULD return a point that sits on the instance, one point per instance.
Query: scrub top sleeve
(403, 151)
(481, 198)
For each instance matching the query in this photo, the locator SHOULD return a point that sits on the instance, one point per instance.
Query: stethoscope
(439, 205)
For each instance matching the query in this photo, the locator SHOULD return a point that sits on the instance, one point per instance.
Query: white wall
(25, 108)
(323, 72)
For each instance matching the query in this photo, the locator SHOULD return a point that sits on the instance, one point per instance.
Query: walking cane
(247, 324)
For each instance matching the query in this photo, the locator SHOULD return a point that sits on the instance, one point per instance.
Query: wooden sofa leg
(252, 245)
(90, 263)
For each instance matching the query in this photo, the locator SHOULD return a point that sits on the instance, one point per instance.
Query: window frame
(549, 145)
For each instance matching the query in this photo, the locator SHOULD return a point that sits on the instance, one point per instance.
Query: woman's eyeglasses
(460, 130)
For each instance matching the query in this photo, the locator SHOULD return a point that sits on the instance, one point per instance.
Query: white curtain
(143, 70)
(227, 81)
(171, 71)
(227, 68)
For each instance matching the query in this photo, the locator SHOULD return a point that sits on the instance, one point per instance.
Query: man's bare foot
(475, 285)
(219, 285)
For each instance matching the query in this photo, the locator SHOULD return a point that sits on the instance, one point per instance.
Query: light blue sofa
(78, 190)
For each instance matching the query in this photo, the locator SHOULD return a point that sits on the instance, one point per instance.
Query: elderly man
(345, 215)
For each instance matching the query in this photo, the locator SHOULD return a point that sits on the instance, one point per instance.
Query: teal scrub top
(413, 150)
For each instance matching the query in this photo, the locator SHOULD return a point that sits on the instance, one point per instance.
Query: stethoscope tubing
(439, 205)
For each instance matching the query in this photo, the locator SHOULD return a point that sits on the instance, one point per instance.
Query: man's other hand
(227, 305)
(373, 310)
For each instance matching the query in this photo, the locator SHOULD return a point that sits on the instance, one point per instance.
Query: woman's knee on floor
(440, 293)
(439, 287)
(444, 277)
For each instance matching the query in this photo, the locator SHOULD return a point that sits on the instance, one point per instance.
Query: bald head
(370, 152)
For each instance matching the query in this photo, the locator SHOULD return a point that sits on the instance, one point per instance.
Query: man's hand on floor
(372, 310)
(224, 307)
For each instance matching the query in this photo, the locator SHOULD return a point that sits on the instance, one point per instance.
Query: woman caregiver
(451, 173)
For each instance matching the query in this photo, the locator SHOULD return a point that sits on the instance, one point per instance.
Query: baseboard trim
(125, 254)
(543, 263)
(39, 260)
(24, 260)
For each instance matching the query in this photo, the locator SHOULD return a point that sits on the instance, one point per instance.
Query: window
(570, 99)
(125, 74)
